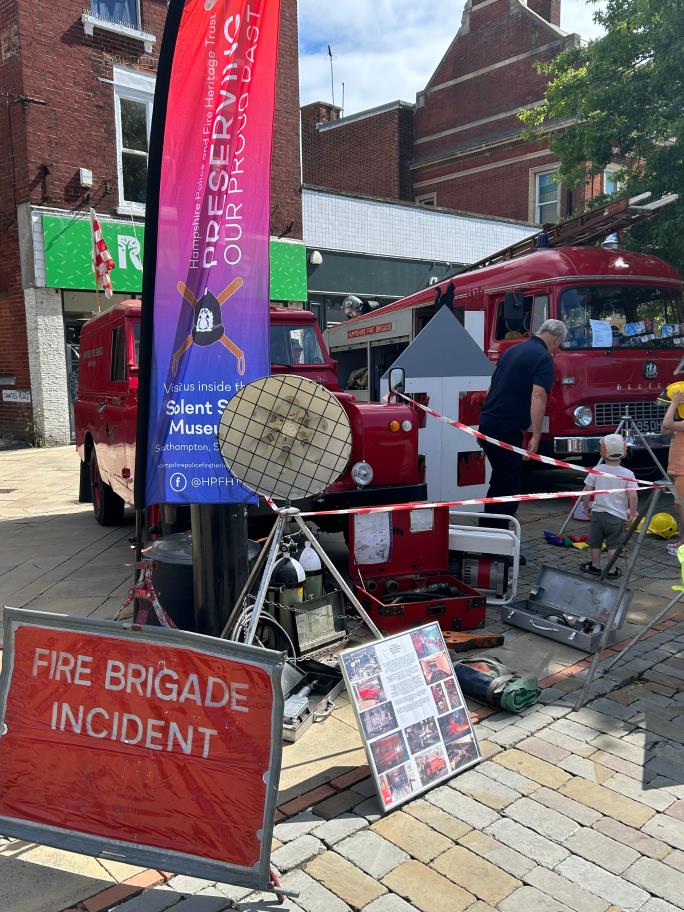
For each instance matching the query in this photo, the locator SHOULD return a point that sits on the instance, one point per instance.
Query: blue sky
(387, 49)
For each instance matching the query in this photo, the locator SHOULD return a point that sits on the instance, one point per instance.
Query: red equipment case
(416, 559)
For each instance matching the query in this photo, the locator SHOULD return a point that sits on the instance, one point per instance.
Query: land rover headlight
(362, 474)
(583, 416)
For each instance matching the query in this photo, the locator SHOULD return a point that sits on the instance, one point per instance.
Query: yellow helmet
(662, 525)
(666, 395)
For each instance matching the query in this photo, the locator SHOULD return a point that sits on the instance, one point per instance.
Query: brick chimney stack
(548, 9)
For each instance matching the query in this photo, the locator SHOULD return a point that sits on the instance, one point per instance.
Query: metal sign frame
(256, 877)
(450, 772)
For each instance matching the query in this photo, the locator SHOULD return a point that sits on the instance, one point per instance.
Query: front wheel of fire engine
(84, 492)
(107, 506)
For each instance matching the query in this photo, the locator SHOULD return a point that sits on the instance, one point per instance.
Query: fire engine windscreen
(294, 345)
(621, 316)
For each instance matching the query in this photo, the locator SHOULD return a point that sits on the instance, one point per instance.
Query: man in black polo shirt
(517, 399)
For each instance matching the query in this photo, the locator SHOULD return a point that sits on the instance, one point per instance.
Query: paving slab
(667, 829)
(412, 835)
(313, 897)
(562, 890)
(344, 879)
(340, 828)
(567, 806)
(483, 789)
(497, 853)
(477, 875)
(515, 781)
(615, 890)
(427, 890)
(528, 842)
(373, 854)
(532, 768)
(458, 805)
(529, 899)
(610, 854)
(296, 852)
(658, 878)
(446, 824)
(541, 819)
(609, 803)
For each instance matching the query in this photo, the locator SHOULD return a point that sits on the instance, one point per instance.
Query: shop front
(65, 289)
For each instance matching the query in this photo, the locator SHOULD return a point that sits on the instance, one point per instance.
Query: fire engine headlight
(406, 426)
(583, 416)
(362, 474)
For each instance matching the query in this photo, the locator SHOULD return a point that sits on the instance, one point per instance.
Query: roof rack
(585, 228)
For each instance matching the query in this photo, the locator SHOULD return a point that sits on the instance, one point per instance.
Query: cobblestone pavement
(580, 811)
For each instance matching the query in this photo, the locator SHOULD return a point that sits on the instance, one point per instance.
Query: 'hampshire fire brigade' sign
(159, 748)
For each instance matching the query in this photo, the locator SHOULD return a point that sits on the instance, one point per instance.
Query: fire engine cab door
(506, 331)
(114, 408)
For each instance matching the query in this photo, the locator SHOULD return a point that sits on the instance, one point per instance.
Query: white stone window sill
(131, 209)
(91, 22)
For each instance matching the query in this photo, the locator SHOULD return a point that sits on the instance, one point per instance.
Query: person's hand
(532, 446)
(678, 397)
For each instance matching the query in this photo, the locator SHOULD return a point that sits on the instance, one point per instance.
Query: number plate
(648, 425)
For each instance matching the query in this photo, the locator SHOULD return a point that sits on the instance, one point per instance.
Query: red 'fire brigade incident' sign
(162, 745)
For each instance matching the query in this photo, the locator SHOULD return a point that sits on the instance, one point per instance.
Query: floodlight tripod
(627, 425)
(265, 563)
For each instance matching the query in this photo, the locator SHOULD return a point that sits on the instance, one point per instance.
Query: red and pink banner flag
(206, 286)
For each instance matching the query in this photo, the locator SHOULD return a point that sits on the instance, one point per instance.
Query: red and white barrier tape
(509, 498)
(547, 460)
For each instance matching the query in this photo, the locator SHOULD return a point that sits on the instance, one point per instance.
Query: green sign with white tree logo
(68, 242)
(68, 245)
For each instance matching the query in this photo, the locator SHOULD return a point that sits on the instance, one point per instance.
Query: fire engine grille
(608, 414)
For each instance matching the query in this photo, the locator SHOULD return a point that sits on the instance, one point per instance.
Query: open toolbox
(399, 563)
(309, 689)
(569, 608)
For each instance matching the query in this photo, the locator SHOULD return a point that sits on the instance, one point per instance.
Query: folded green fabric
(491, 681)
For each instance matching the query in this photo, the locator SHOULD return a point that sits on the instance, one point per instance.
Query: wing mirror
(397, 380)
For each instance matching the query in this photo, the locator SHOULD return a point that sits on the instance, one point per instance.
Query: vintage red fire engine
(385, 466)
(623, 312)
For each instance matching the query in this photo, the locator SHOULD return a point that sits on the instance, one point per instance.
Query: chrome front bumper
(579, 446)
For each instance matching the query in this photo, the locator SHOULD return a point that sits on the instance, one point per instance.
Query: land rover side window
(294, 345)
(621, 316)
(117, 370)
(136, 341)
(509, 330)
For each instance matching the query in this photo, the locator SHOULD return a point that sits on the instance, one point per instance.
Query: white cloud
(388, 49)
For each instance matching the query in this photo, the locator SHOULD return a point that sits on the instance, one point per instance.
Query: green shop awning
(68, 257)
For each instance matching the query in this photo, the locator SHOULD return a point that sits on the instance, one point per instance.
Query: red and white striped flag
(102, 260)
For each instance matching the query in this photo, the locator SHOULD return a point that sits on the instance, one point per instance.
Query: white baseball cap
(615, 446)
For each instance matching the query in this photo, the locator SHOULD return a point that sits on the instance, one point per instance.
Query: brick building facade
(76, 89)
(461, 142)
(334, 149)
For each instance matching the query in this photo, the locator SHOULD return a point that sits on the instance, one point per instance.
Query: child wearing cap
(609, 512)
(673, 424)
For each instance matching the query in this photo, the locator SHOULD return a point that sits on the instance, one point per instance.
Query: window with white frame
(610, 182)
(133, 99)
(428, 199)
(125, 11)
(546, 197)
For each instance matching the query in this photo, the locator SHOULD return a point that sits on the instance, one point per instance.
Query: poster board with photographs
(411, 713)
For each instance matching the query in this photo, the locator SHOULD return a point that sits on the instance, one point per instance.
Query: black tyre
(107, 506)
(85, 495)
